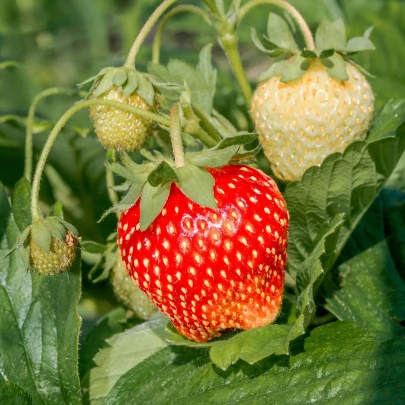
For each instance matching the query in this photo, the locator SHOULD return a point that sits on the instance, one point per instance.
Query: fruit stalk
(186, 8)
(130, 61)
(35, 212)
(30, 122)
(175, 136)
(211, 5)
(292, 11)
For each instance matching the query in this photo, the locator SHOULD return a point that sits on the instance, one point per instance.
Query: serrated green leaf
(21, 204)
(124, 351)
(106, 83)
(146, 90)
(370, 292)
(336, 67)
(41, 235)
(93, 247)
(278, 31)
(359, 44)
(345, 183)
(197, 184)
(251, 346)
(120, 77)
(153, 199)
(132, 83)
(40, 327)
(11, 394)
(336, 364)
(330, 35)
(212, 157)
(162, 174)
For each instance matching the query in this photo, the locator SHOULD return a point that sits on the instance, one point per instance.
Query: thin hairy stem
(175, 136)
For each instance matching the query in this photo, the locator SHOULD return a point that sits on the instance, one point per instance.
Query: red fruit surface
(211, 271)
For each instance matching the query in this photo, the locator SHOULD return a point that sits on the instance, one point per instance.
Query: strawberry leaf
(321, 368)
(279, 33)
(122, 352)
(331, 35)
(93, 247)
(357, 298)
(21, 201)
(197, 184)
(153, 199)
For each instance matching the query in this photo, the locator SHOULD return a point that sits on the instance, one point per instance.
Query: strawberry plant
(212, 224)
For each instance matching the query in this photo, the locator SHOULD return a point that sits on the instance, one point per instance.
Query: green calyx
(151, 181)
(332, 49)
(128, 79)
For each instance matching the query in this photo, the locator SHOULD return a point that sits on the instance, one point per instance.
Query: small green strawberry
(311, 104)
(128, 293)
(117, 128)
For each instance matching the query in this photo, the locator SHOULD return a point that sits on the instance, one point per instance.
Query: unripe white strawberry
(303, 121)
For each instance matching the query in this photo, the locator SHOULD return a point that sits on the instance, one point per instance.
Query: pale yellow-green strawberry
(304, 120)
(59, 258)
(312, 102)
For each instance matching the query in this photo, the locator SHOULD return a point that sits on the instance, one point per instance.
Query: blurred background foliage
(63, 42)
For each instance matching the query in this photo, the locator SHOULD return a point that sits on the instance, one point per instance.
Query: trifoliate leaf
(153, 199)
(120, 77)
(41, 235)
(336, 67)
(146, 90)
(212, 157)
(279, 33)
(330, 35)
(132, 83)
(162, 174)
(106, 83)
(197, 184)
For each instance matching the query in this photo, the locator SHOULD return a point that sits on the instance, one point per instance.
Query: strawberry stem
(35, 211)
(186, 8)
(211, 5)
(30, 122)
(175, 135)
(130, 62)
(292, 11)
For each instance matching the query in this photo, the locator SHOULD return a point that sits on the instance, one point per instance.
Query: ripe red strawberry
(211, 271)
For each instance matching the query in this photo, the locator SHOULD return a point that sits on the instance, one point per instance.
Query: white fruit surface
(303, 121)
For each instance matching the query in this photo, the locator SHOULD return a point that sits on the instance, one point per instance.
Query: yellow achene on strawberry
(303, 121)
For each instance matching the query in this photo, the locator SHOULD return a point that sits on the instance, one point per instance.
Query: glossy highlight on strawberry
(211, 271)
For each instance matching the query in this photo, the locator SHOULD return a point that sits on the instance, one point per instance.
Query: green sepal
(336, 66)
(326, 53)
(242, 138)
(132, 83)
(93, 247)
(23, 239)
(162, 174)
(279, 33)
(105, 84)
(361, 68)
(106, 263)
(146, 89)
(153, 199)
(57, 229)
(41, 235)
(358, 44)
(57, 210)
(120, 77)
(197, 184)
(212, 157)
(68, 226)
(112, 237)
(307, 54)
(272, 52)
(330, 35)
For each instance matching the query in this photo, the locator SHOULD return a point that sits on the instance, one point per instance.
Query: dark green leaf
(124, 351)
(153, 199)
(39, 324)
(370, 292)
(163, 173)
(339, 363)
(197, 184)
(212, 157)
(336, 66)
(11, 394)
(345, 183)
(279, 33)
(41, 235)
(330, 35)
(21, 204)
